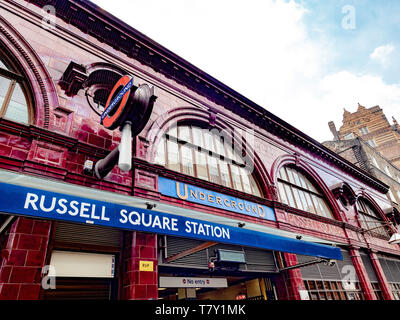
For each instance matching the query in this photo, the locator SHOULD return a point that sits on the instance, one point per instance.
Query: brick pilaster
(362, 274)
(294, 279)
(140, 285)
(383, 283)
(22, 259)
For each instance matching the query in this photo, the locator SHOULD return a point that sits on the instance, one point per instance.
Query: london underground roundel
(117, 103)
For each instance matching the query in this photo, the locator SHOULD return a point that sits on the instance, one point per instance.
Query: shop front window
(333, 290)
(297, 191)
(200, 153)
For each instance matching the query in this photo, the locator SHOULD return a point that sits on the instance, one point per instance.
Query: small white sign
(304, 295)
(187, 282)
(81, 264)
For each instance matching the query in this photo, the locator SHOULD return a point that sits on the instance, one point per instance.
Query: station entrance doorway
(190, 269)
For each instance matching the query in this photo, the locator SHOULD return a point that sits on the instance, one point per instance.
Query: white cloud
(381, 54)
(262, 50)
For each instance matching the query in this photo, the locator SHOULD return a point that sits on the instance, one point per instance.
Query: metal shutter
(257, 260)
(391, 268)
(386, 270)
(321, 271)
(87, 234)
(176, 245)
(309, 272)
(260, 260)
(369, 267)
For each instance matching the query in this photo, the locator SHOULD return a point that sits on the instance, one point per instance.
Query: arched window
(14, 99)
(297, 191)
(198, 152)
(369, 218)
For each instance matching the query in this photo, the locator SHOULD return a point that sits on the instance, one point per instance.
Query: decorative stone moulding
(73, 78)
(343, 192)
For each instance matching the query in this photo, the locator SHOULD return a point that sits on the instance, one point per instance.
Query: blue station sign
(37, 203)
(214, 199)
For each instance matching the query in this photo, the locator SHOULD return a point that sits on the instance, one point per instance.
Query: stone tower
(373, 127)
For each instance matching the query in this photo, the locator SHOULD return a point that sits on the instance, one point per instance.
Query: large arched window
(14, 100)
(198, 152)
(297, 191)
(370, 219)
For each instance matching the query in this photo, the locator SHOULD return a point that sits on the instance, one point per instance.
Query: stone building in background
(372, 125)
(360, 153)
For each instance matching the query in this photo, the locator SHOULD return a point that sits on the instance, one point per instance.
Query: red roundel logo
(117, 103)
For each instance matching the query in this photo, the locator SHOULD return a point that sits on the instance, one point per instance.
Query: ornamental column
(293, 278)
(362, 274)
(383, 283)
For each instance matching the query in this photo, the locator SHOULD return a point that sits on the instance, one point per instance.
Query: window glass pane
(187, 160)
(2, 65)
(225, 177)
(197, 137)
(213, 170)
(245, 180)
(4, 85)
(254, 187)
(303, 200)
(237, 184)
(17, 109)
(296, 178)
(184, 133)
(310, 206)
(228, 148)
(282, 193)
(283, 174)
(325, 209)
(290, 175)
(173, 156)
(317, 204)
(209, 141)
(289, 194)
(219, 146)
(303, 182)
(299, 205)
(201, 165)
(173, 131)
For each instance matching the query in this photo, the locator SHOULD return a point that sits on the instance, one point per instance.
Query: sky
(303, 60)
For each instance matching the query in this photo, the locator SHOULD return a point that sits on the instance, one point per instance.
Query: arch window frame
(8, 70)
(211, 156)
(369, 218)
(301, 193)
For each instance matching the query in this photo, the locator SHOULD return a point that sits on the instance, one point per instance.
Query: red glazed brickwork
(293, 279)
(362, 275)
(22, 259)
(140, 285)
(383, 283)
